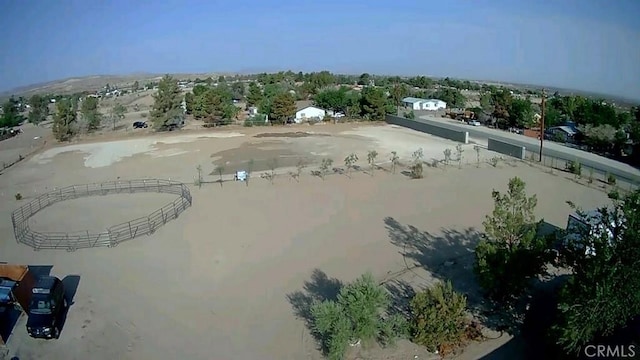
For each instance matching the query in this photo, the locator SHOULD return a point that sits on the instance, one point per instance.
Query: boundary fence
(113, 235)
(589, 170)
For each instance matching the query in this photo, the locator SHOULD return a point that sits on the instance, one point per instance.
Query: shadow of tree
(448, 255)
(318, 288)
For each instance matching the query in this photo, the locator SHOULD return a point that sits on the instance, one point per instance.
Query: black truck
(46, 308)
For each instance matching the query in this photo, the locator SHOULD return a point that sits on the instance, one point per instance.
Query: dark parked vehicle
(47, 308)
(140, 125)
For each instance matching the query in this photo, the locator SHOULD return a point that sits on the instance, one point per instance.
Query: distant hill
(621, 101)
(93, 83)
(96, 82)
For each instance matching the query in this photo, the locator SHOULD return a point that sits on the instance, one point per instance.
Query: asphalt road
(619, 170)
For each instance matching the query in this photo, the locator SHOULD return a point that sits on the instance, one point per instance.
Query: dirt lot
(214, 283)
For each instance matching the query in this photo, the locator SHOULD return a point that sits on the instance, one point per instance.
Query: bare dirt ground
(218, 282)
(33, 139)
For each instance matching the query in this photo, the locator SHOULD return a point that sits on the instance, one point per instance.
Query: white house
(413, 103)
(423, 104)
(309, 113)
(433, 104)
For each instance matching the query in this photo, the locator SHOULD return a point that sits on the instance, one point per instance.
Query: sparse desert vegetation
(273, 236)
(449, 253)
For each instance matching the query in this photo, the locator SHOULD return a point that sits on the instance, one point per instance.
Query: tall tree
(603, 292)
(117, 113)
(167, 106)
(398, 92)
(136, 86)
(452, 97)
(333, 99)
(237, 90)
(90, 113)
(39, 109)
(64, 120)
(364, 79)
(521, 113)
(511, 254)
(283, 108)
(375, 104)
(255, 94)
(501, 101)
(10, 114)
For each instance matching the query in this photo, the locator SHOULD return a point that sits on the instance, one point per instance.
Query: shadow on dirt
(70, 283)
(40, 270)
(447, 256)
(318, 288)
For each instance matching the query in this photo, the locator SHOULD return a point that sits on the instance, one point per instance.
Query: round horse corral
(113, 235)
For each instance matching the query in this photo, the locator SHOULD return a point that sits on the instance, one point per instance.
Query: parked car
(474, 123)
(140, 125)
(47, 308)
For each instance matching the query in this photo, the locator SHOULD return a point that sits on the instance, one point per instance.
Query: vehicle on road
(46, 308)
(474, 123)
(140, 125)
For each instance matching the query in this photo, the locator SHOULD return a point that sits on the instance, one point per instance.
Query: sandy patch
(405, 141)
(107, 153)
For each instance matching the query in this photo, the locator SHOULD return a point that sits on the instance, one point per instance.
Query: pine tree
(167, 106)
(64, 120)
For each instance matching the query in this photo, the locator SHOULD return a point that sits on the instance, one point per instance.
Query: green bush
(409, 115)
(438, 318)
(257, 120)
(574, 167)
(611, 179)
(18, 196)
(360, 313)
(417, 171)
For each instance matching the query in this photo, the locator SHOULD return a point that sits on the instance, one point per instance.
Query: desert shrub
(416, 168)
(447, 156)
(459, 152)
(438, 318)
(611, 179)
(395, 160)
(18, 196)
(477, 150)
(360, 313)
(371, 159)
(349, 162)
(256, 120)
(325, 165)
(574, 167)
(417, 171)
(409, 115)
(198, 180)
(494, 161)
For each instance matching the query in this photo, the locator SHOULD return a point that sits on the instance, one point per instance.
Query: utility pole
(544, 95)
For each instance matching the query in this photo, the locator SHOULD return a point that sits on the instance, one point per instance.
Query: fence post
(164, 221)
(149, 224)
(130, 231)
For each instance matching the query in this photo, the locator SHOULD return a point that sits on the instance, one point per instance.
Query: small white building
(413, 103)
(423, 104)
(433, 104)
(310, 113)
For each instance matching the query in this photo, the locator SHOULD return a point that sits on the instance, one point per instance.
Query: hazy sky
(589, 45)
